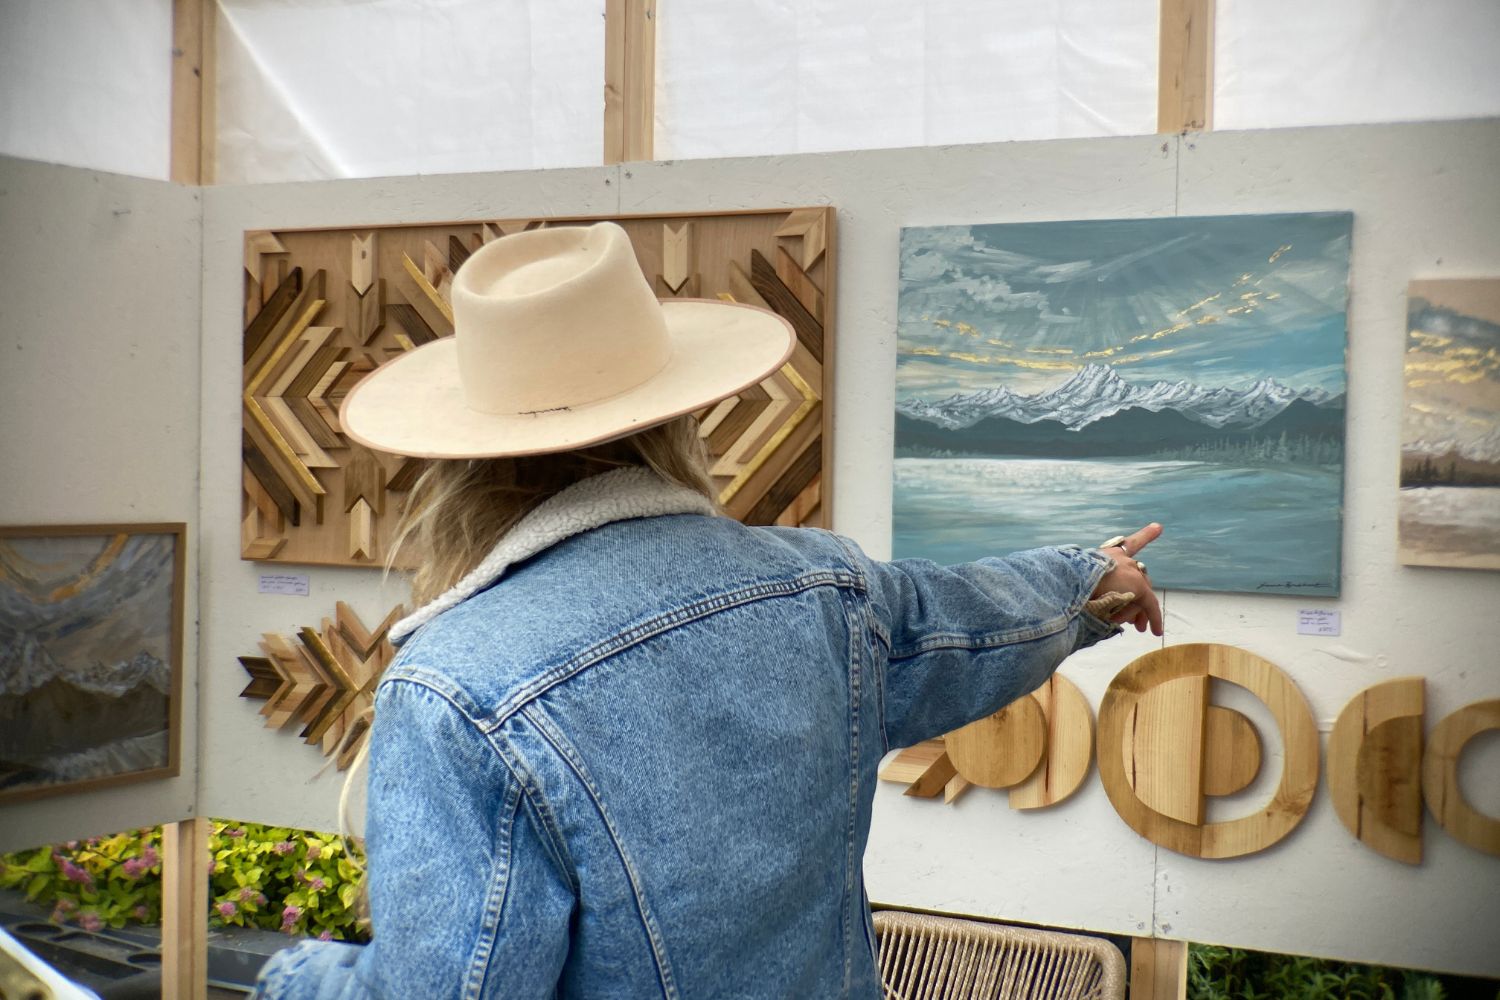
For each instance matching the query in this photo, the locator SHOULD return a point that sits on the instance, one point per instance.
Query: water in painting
(1067, 381)
(1450, 446)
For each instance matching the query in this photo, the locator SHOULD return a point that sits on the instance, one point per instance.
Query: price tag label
(283, 583)
(1316, 621)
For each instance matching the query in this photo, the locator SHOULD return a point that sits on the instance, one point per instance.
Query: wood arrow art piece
(323, 680)
(324, 308)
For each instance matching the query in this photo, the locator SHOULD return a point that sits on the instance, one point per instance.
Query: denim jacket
(634, 754)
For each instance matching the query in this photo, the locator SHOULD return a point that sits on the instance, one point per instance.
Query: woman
(628, 748)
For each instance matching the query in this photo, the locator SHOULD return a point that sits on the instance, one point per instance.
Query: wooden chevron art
(324, 308)
(323, 680)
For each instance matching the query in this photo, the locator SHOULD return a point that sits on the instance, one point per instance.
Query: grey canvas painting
(1450, 448)
(90, 637)
(1068, 381)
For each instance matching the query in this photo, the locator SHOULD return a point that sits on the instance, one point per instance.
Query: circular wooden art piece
(1440, 776)
(1230, 838)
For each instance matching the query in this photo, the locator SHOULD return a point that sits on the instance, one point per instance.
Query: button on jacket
(634, 754)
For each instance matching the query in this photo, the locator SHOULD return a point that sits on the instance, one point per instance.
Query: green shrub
(99, 882)
(273, 877)
(1217, 973)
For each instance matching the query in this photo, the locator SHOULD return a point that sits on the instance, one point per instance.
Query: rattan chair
(924, 957)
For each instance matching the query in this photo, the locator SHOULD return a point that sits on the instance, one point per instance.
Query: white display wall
(1425, 205)
(99, 414)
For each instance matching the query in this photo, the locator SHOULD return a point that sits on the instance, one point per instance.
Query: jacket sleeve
(468, 895)
(967, 640)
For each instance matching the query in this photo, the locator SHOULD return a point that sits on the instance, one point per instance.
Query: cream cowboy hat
(559, 343)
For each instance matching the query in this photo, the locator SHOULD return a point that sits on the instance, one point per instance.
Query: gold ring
(1141, 566)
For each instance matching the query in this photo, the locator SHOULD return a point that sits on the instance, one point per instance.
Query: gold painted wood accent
(193, 139)
(1445, 745)
(629, 79)
(1164, 748)
(1231, 751)
(1158, 969)
(1374, 767)
(1185, 69)
(1230, 838)
(1069, 750)
(1000, 750)
(184, 909)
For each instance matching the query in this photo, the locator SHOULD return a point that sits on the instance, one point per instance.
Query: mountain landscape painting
(1064, 382)
(90, 653)
(1450, 444)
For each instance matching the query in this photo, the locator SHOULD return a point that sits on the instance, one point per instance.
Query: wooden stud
(1158, 969)
(1185, 74)
(1299, 735)
(1000, 750)
(1445, 745)
(193, 33)
(1374, 767)
(1070, 746)
(629, 79)
(184, 909)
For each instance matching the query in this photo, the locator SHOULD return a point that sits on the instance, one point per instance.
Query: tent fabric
(311, 89)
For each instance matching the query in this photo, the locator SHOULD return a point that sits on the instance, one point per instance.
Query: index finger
(1150, 533)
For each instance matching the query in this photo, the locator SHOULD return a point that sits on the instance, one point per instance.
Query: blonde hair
(458, 509)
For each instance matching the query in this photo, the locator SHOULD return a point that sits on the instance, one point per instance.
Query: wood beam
(193, 27)
(1158, 969)
(184, 910)
(1185, 69)
(629, 79)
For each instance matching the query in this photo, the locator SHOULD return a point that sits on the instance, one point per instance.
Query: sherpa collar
(618, 495)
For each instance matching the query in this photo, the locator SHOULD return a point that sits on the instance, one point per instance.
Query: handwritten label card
(289, 583)
(1316, 621)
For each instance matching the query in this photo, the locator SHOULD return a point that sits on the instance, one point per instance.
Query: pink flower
(260, 899)
(284, 848)
(233, 832)
(59, 915)
(90, 921)
(142, 913)
(227, 909)
(71, 845)
(289, 915)
(326, 936)
(67, 905)
(318, 885)
(149, 856)
(134, 868)
(314, 852)
(73, 873)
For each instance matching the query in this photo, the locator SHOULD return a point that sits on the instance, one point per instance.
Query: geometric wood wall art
(324, 308)
(1374, 767)
(1155, 715)
(1445, 745)
(323, 680)
(1039, 747)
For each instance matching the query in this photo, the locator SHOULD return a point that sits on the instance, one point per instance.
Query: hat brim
(415, 406)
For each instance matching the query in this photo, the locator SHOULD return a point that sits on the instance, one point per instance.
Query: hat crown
(555, 318)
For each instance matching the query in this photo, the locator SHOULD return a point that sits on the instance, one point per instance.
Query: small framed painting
(90, 656)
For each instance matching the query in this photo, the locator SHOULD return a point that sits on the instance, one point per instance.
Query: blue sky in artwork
(1218, 301)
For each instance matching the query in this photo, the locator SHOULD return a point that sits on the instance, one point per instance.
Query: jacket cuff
(1091, 628)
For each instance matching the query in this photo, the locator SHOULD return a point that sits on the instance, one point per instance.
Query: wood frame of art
(91, 642)
(323, 308)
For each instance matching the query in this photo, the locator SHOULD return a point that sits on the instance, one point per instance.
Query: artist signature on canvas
(1289, 584)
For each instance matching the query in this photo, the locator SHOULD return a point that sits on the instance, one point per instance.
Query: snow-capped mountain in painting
(1096, 392)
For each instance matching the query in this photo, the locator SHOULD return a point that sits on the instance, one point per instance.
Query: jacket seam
(851, 862)
(949, 640)
(653, 627)
(522, 776)
(484, 948)
(565, 750)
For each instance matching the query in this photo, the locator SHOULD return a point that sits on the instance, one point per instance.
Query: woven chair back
(926, 957)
